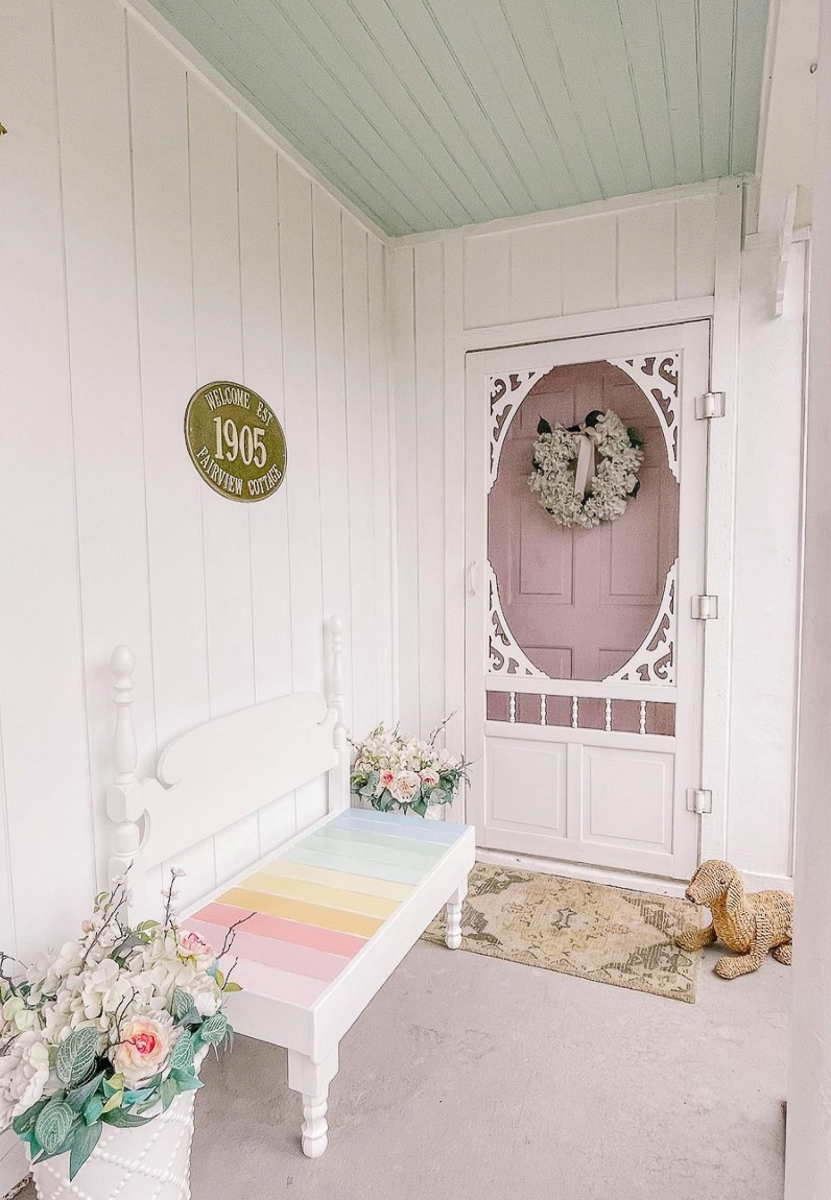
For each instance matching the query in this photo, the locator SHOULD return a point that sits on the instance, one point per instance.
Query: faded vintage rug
(607, 934)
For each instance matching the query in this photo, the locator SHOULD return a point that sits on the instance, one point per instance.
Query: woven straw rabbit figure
(751, 925)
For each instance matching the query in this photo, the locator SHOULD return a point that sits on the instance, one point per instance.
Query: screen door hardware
(472, 575)
(699, 800)
(709, 405)
(704, 608)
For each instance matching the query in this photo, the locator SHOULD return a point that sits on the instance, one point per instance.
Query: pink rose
(145, 1045)
(385, 780)
(430, 778)
(191, 945)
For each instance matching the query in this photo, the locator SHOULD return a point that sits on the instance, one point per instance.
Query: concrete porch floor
(471, 1078)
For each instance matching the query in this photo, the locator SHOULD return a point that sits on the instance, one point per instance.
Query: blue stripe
(400, 826)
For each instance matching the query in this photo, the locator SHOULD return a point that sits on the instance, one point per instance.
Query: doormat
(607, 934)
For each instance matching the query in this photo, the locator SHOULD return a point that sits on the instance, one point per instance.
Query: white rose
(145, 1046)
(404, 786)
(430, 778)
(24, 1073)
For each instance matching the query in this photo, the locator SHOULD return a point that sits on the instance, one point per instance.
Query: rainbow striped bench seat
(323, 924)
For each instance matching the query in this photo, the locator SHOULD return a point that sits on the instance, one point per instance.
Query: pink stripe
(278, 985)
(346, 945)
(271, 952)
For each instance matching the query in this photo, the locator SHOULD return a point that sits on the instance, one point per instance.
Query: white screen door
(584, 665)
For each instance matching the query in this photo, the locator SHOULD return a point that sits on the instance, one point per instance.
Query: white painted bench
(330, 915)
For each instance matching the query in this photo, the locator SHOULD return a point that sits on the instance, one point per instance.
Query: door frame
(721, 308)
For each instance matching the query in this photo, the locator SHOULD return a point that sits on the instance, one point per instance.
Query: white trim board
(609, 320)
(613, 204)
(568, 870)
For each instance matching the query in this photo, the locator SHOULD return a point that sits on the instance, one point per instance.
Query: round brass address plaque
(235, 441)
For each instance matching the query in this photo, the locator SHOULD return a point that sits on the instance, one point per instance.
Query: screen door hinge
(704, 608)
(709, 405)
(699, 800)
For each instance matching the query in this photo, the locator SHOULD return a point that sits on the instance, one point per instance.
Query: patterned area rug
(607, 934)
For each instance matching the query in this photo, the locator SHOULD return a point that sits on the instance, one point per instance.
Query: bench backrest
(222, 771)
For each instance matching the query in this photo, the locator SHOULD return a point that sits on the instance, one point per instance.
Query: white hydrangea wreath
(612, 455)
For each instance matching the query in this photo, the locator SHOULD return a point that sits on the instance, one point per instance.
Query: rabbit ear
(735, 893)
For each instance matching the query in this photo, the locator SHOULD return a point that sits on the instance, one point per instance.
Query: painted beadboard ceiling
(431, 114)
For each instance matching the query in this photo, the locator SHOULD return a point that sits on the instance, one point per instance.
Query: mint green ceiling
(437, 113)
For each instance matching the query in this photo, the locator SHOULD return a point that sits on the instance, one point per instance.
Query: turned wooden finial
(125, 749)
(338, 697)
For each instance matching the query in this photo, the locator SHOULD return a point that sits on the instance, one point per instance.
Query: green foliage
(53, 1124)
(25, 1123)
(182, 1004)
(182, 1055)
(75, 1060)
(78, 1097)
(123, 1119)
(213, 1030)
(543, 426)
(84, 1141)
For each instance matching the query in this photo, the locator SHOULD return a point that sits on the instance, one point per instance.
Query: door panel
(583, 664)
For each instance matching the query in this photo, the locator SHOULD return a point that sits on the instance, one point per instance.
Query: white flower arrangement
(606, 493)
(398, 772)
(108, 1031)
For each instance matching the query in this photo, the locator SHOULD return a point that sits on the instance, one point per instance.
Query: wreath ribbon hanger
(586, 464)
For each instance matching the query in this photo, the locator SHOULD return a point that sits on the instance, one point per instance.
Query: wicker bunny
(750, 925)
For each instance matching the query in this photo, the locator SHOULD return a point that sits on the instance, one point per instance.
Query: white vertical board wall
(767, 566)
(514, 283)
(160, 241)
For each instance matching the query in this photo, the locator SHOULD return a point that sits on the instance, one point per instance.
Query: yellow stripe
(317, 893)
(339, 879)
(297, 910)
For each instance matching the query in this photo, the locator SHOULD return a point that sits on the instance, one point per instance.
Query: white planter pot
(149, 1163)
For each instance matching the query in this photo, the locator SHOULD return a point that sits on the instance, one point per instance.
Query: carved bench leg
(453, 936)
(312, 1081)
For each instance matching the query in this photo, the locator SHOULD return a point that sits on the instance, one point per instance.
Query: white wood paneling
(42, 704)
(109, 457)
(161, 241)
(429, 459)
(637, 263)
(647, 253)
(360, 455)
(407, 496)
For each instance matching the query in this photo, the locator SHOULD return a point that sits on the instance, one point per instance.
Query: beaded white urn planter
(149, 1163)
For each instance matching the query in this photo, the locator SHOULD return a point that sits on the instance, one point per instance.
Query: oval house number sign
(235, 441)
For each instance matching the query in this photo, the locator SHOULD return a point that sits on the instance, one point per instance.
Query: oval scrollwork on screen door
(577, 603)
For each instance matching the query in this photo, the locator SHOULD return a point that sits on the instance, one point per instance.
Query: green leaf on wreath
(84, 1140)
(76, 1056)
(543, 426)
(592, 418)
